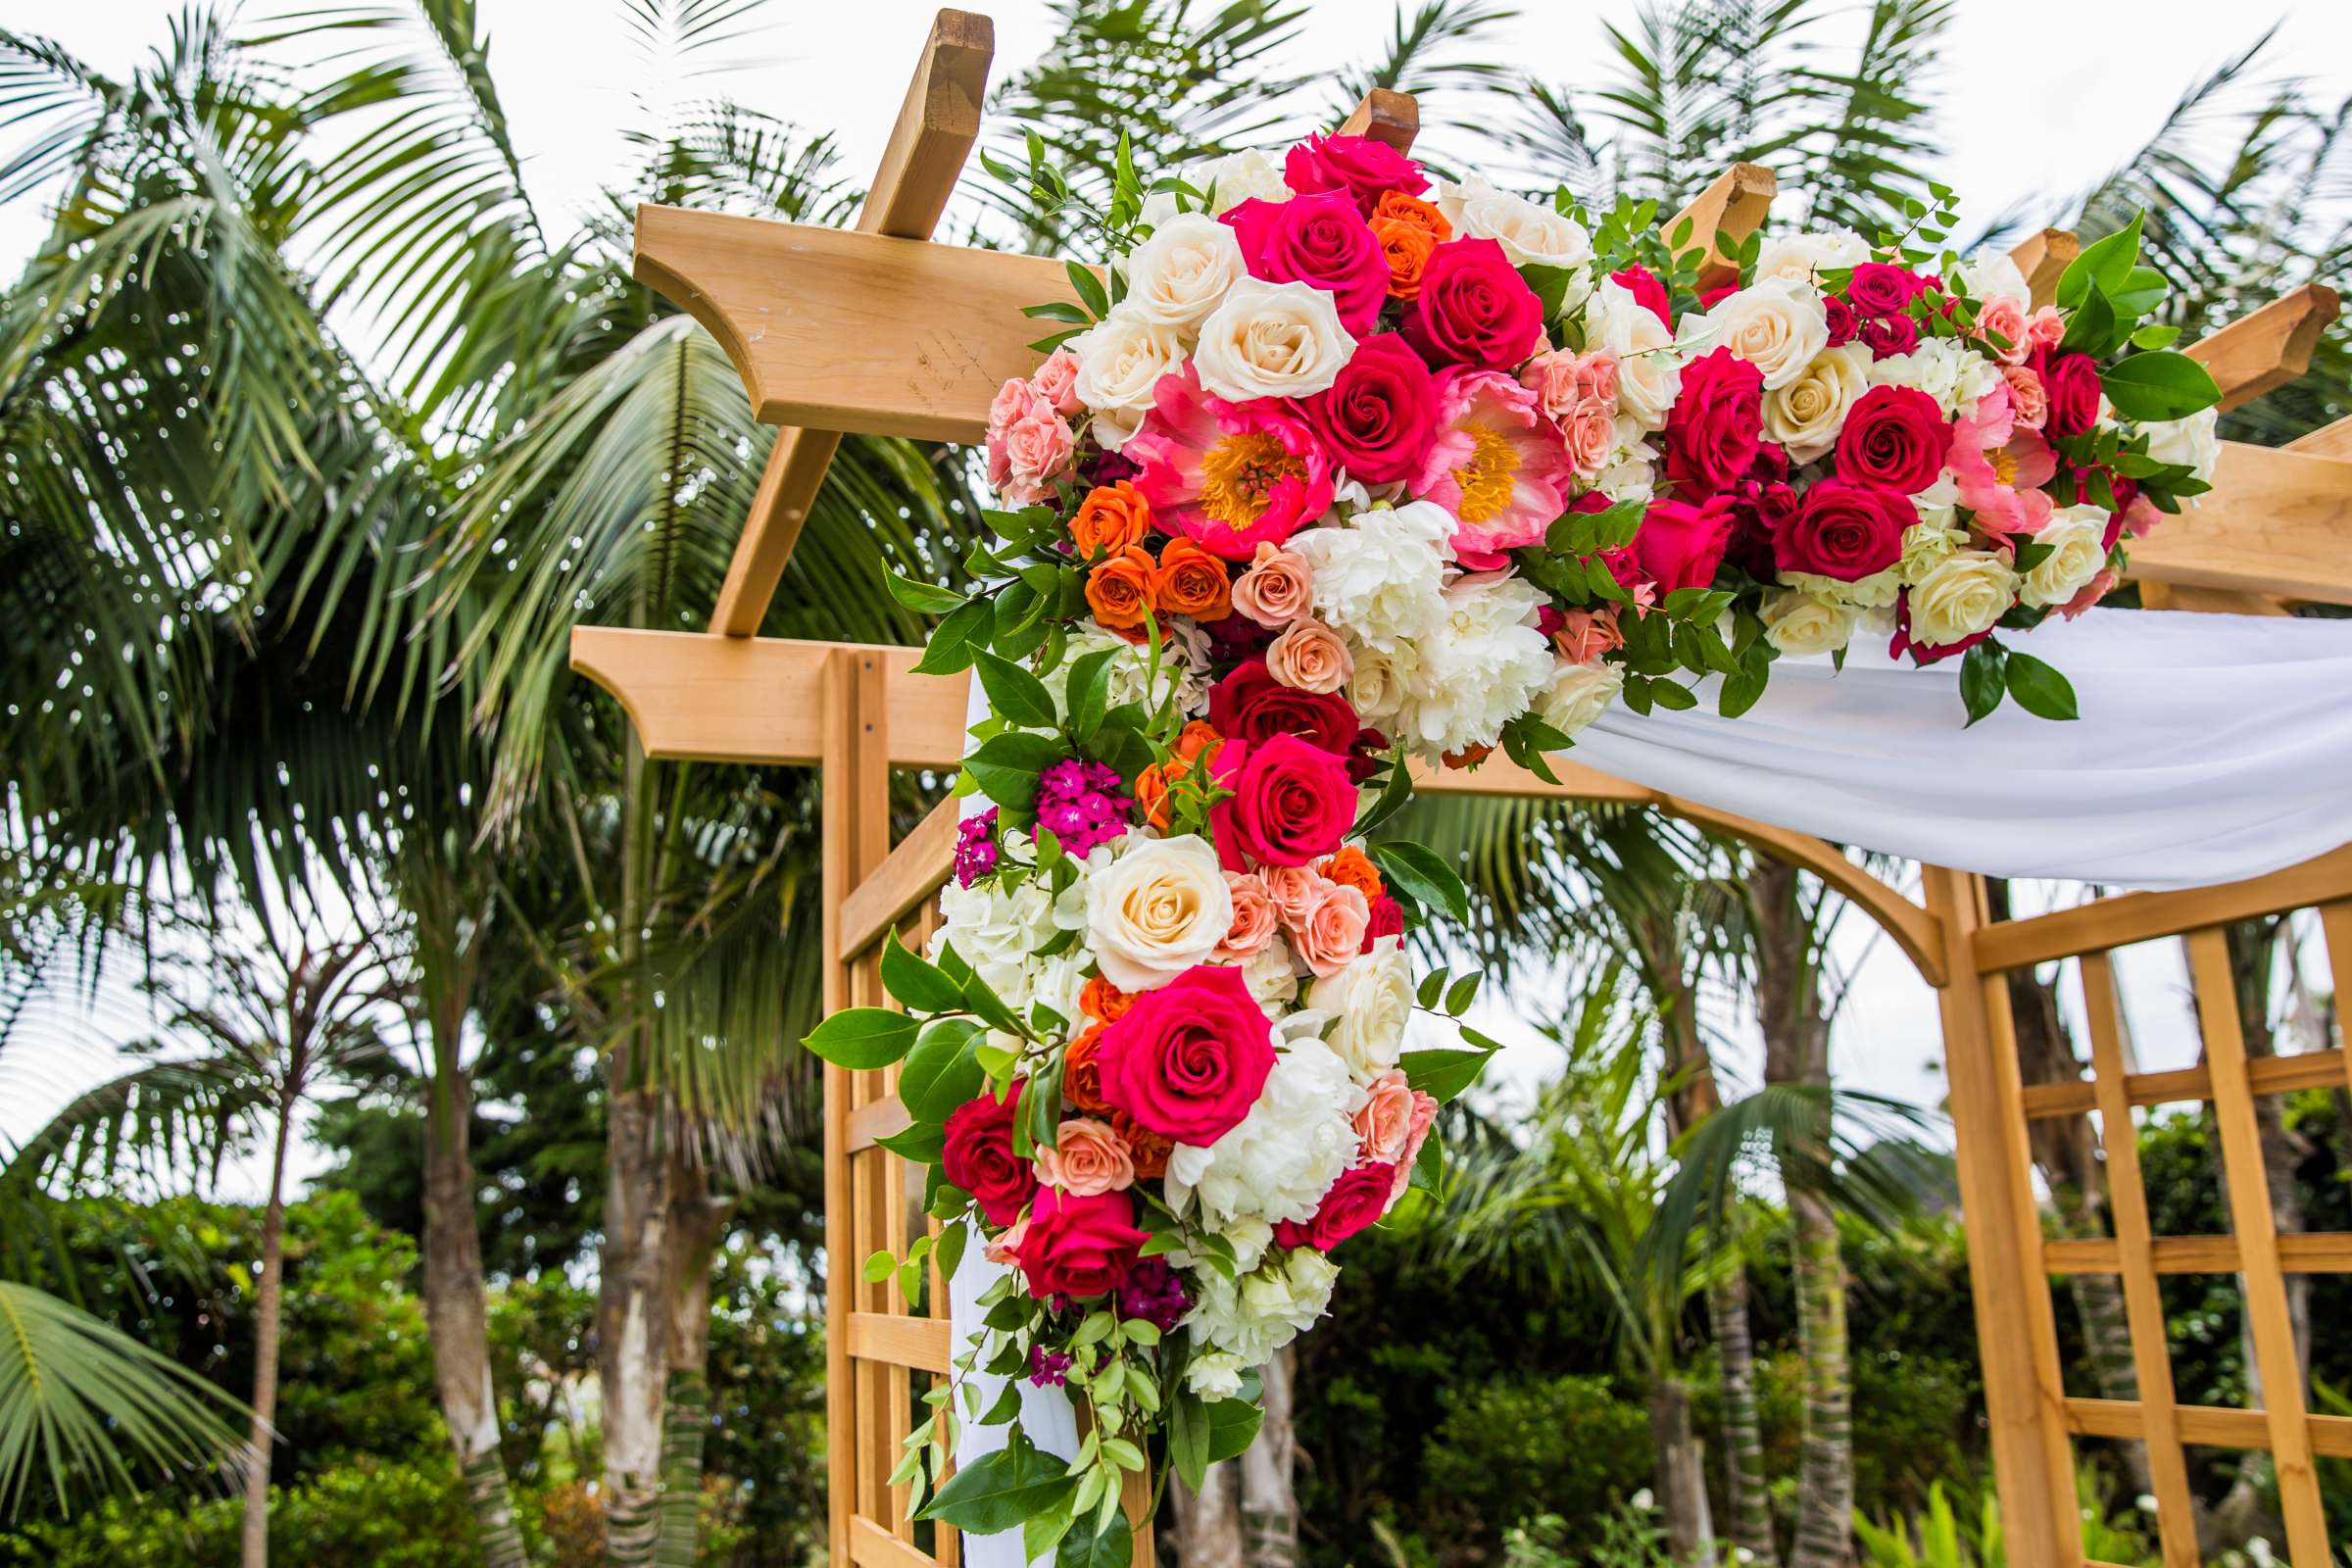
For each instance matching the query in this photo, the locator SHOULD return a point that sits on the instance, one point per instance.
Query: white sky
(2038, 99)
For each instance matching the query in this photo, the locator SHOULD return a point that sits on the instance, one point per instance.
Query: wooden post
(2268, 348)
(2043, 258)
(1389, 118)
(1735, 205)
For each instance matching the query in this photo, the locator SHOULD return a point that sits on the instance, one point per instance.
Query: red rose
(1356, 1199)
(1842, 320)
(1846, 531)
(1925, 652)
(1388, 920)
(1079, 1247)
(1881, 288)
(1474, 308)
(1709, 298)
(979, 1157)
(1647, 290)
(1251, 705)
(1291, 802)
(1894, 437)
(1319, 239)
(1187, 1060)
(2072, 381)
(1381, 415)
(1357, 165)
(1716, 426)
(1679, 545)
(1889, 335)
(1760, 510)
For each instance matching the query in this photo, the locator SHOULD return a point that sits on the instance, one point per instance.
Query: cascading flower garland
(1338, 469)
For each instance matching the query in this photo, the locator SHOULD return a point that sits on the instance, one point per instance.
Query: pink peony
(1497, 465)
(1994, 460)
(1230, 476)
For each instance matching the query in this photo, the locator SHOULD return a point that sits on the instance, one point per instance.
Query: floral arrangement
(1336, 468)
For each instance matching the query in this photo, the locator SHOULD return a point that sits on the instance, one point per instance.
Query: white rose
(1373, 1000)
(1581, 695)
(1382, 683)
(1283, 1156)
(1531, 233)
(1120, 360)
(1801, 258)
(1778, 326)
(1272, 976)
(1155, 910)
(1226, 182)
(1803, 626)
(1183, 272)
(1806, 415)
(2077, 537)
(1926, 544)
(1649, 367)
(1214, 1374)
(2192, 440)
(1990, 274)
(1963, 595)
(1876, 591)
(1272, 340)
(1381, 578)
(1252, 1317)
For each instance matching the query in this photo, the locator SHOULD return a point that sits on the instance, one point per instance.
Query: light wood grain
(2327, 441)
(2044, 257)
(837, 725)
(1393, 118)
(869, 1545)
(2313, 1253)
(2277, 521)
(1735, 203)
(924, 1344)
(911, 874)
(2139, 916)
(2261, 1277)
(2154, 595)
(2268, 348)
(875, 1120)
(2270, 1075)
(2211, 1426)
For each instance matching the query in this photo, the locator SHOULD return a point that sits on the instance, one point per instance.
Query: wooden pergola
(878, 331)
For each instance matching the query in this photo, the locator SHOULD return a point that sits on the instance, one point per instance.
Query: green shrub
(1509, 1448)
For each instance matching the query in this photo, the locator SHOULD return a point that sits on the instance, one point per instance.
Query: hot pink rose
(1840, 317)
(1277, 588)
(1679, 545)
(1357, 165)
(1584, 635)
(1292, 802)
(1355, 1200)
(1474, 308)
(1079, 1245)
(1319, 239)
(1894, 437)
(1843, 530)
(1716, 425)
(2072, 381)
(1333, 932)
(1253, 918)
(1086, 1157)
(1881, 288)
(979, 1157)
(1648, 291)
(1056, 381)
(1378, 419)
(1890, 335)
(1187, 1060)
(1388, 920)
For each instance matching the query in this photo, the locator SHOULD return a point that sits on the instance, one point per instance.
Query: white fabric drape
(2211, 748)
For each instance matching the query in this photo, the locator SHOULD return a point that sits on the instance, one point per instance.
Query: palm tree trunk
(695, 1223)
(1682, 1474)
(1269, 1501)
(632, 1324)
(1209, 1522)
(270, 1292)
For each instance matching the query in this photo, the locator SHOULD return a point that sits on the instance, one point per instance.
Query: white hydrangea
(1926, 544)
(996, 930)
(1252, 1317)
(1953, 375)
(1184, 659)
(1214, 1374)
(1382, 578)
(1874, 592)
(1226, 181)
(1484, 663)
(1295, 1142)
(1990, 274)
(1372, 998)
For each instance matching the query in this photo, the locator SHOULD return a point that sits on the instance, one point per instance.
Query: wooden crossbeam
(2277, 521)
(1735, 205)
(2120, 921)
(2268, 348)
(1393, 118)
(935, 132)
(2044, 257)
(2327, 441)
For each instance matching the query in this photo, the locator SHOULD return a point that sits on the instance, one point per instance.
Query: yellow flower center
(1486, 480)
(1240, 472)
(2004, 466)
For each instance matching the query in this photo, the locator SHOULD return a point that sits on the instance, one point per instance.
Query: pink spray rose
(1254, 918)
(1056, 381)
(1277, 588)
(1086, 1157)
(1584, 635)
(1333, 932)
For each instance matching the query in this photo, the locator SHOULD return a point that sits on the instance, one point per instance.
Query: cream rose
(1155, 910)
(1226, 182)
(1806, 415)
(1309, 657)
(1649, 369)
(1531, 233)
(1878, 591)
(1183, 272)
(1372, 996)
(1926, 544)
(1804, 626)
(1120, 360)
(1800, 258)
(1965, 593)
(2077, 537)
(2191, 440)
(1580, 694)
(1272, 340)
(1777, 324)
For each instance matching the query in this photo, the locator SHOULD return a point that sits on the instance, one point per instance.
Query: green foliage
(1566, 1445)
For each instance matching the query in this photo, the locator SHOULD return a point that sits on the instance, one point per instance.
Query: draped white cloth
(2211, 748)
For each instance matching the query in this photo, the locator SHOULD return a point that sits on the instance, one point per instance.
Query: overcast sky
(2037, 99)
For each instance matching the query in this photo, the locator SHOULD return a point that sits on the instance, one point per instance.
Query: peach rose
(1253, 918)
(1056, 381)
(1562, 380)
(1290, 889)
(1587, 634)
(1036, 450)
(1309, 657)
(1276, 589)
(2006, 320)
(1590, 435)
(1416, 1133)
(1005, 1249)
(1385, 1122)
(1333, 932)
(1087, 1159)
(2029, 400)
(2045, 327)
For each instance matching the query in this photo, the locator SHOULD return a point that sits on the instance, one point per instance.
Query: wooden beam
(2154, 595)
(2139, 916)
(2044, 257)
(2306, 1253)
(2327, 441)
(2268, 349)
(2277, 521)
(1735, 205)
(2270, 1075)
(2212, 1426)
(858, 333)
(1393, 118)
(935, 132)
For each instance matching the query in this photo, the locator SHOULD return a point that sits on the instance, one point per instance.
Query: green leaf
(915, 981)
(923, 1143)
(1981, 678)
(1232, 1427)
(862, 1037)
(1089, 287)
(1443, 1075)
(1112, 1548)
(1550, 286)
(1006, 766)
(1423, 876)
(952, 640)
(1188, 1437)
(2039, 688)
(1000, 1489)
(2105, 264)
(1015, 693)
(2162, 385)
(1462, 994)
(1090, 693)
(941, 1073)
(923, 598)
